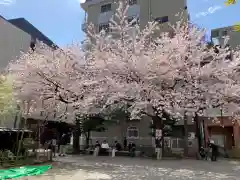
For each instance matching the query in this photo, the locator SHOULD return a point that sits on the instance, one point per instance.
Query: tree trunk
(163, 143)
(198, 133)
(15, 121)
(88, 138)
(76, 134)
(185, 135)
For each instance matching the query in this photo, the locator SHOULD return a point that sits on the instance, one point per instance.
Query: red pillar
(206, 132)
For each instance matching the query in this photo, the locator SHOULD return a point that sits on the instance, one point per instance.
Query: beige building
(12, 41)
(218, 36)
(99, 12)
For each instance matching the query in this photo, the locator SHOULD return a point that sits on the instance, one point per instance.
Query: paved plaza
(121, 168)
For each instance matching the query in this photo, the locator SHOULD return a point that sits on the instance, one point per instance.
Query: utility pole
(198, 132)
(185, 134)
(76, 133)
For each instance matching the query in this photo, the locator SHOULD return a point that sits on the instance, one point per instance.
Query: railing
(173, 143)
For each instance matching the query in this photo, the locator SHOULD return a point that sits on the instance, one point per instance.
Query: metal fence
(174, 143)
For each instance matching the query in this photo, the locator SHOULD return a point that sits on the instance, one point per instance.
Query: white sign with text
(158, 133)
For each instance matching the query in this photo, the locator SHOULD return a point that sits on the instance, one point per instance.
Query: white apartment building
(218, 36)
(99, 12)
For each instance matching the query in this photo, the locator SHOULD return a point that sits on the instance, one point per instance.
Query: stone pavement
(120, 168)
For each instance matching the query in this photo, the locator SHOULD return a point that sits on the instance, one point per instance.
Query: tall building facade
(13, 41)
(17, 36)
(218, 36)
(99, 12)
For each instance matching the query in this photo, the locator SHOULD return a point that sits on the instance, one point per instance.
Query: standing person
(54, 144)
(63, 142)
(214, 150)
(158, 143)
(97, 147)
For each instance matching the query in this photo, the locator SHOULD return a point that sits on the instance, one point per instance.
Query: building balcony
(89, 2)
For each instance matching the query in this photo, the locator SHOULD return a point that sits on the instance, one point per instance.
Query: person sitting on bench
(104, 146)
(118, 146)
(97, 148)
(132, 149)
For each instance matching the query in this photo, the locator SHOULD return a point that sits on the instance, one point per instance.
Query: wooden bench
(109, 153)
(122, 153)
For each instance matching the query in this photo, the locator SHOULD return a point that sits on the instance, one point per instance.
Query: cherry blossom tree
(175, 69)
(149, 71)
(7, 100)
(175, 72)
(50, 84)
(54, 79)
(58, 84)
(178, 73)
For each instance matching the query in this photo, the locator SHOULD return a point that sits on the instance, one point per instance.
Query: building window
(130, 19)
(106, 8)
(161, 20)
(132, 132)
(215, 41)
(104, 27)
(215, 33)
(225, 33)
(132, 2)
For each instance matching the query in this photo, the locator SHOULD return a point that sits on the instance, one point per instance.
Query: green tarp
(23, 171)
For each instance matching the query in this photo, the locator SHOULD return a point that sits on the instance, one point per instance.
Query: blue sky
(61, 20)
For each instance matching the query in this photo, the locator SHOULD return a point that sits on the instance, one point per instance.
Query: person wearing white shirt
(105, 145)
(54, 144)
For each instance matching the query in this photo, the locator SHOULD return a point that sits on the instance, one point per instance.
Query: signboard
(158, 133)
(191, 135)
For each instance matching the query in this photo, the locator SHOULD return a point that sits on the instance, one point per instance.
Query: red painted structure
(225, 127)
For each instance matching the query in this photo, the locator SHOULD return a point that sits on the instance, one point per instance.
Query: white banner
(158, 133)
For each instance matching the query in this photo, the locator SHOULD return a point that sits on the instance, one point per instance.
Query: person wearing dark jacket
(214, 150)
(97, 144)
(158, 142)
(118, 146)
(97, 148)
(63, 142)
(132, 149)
